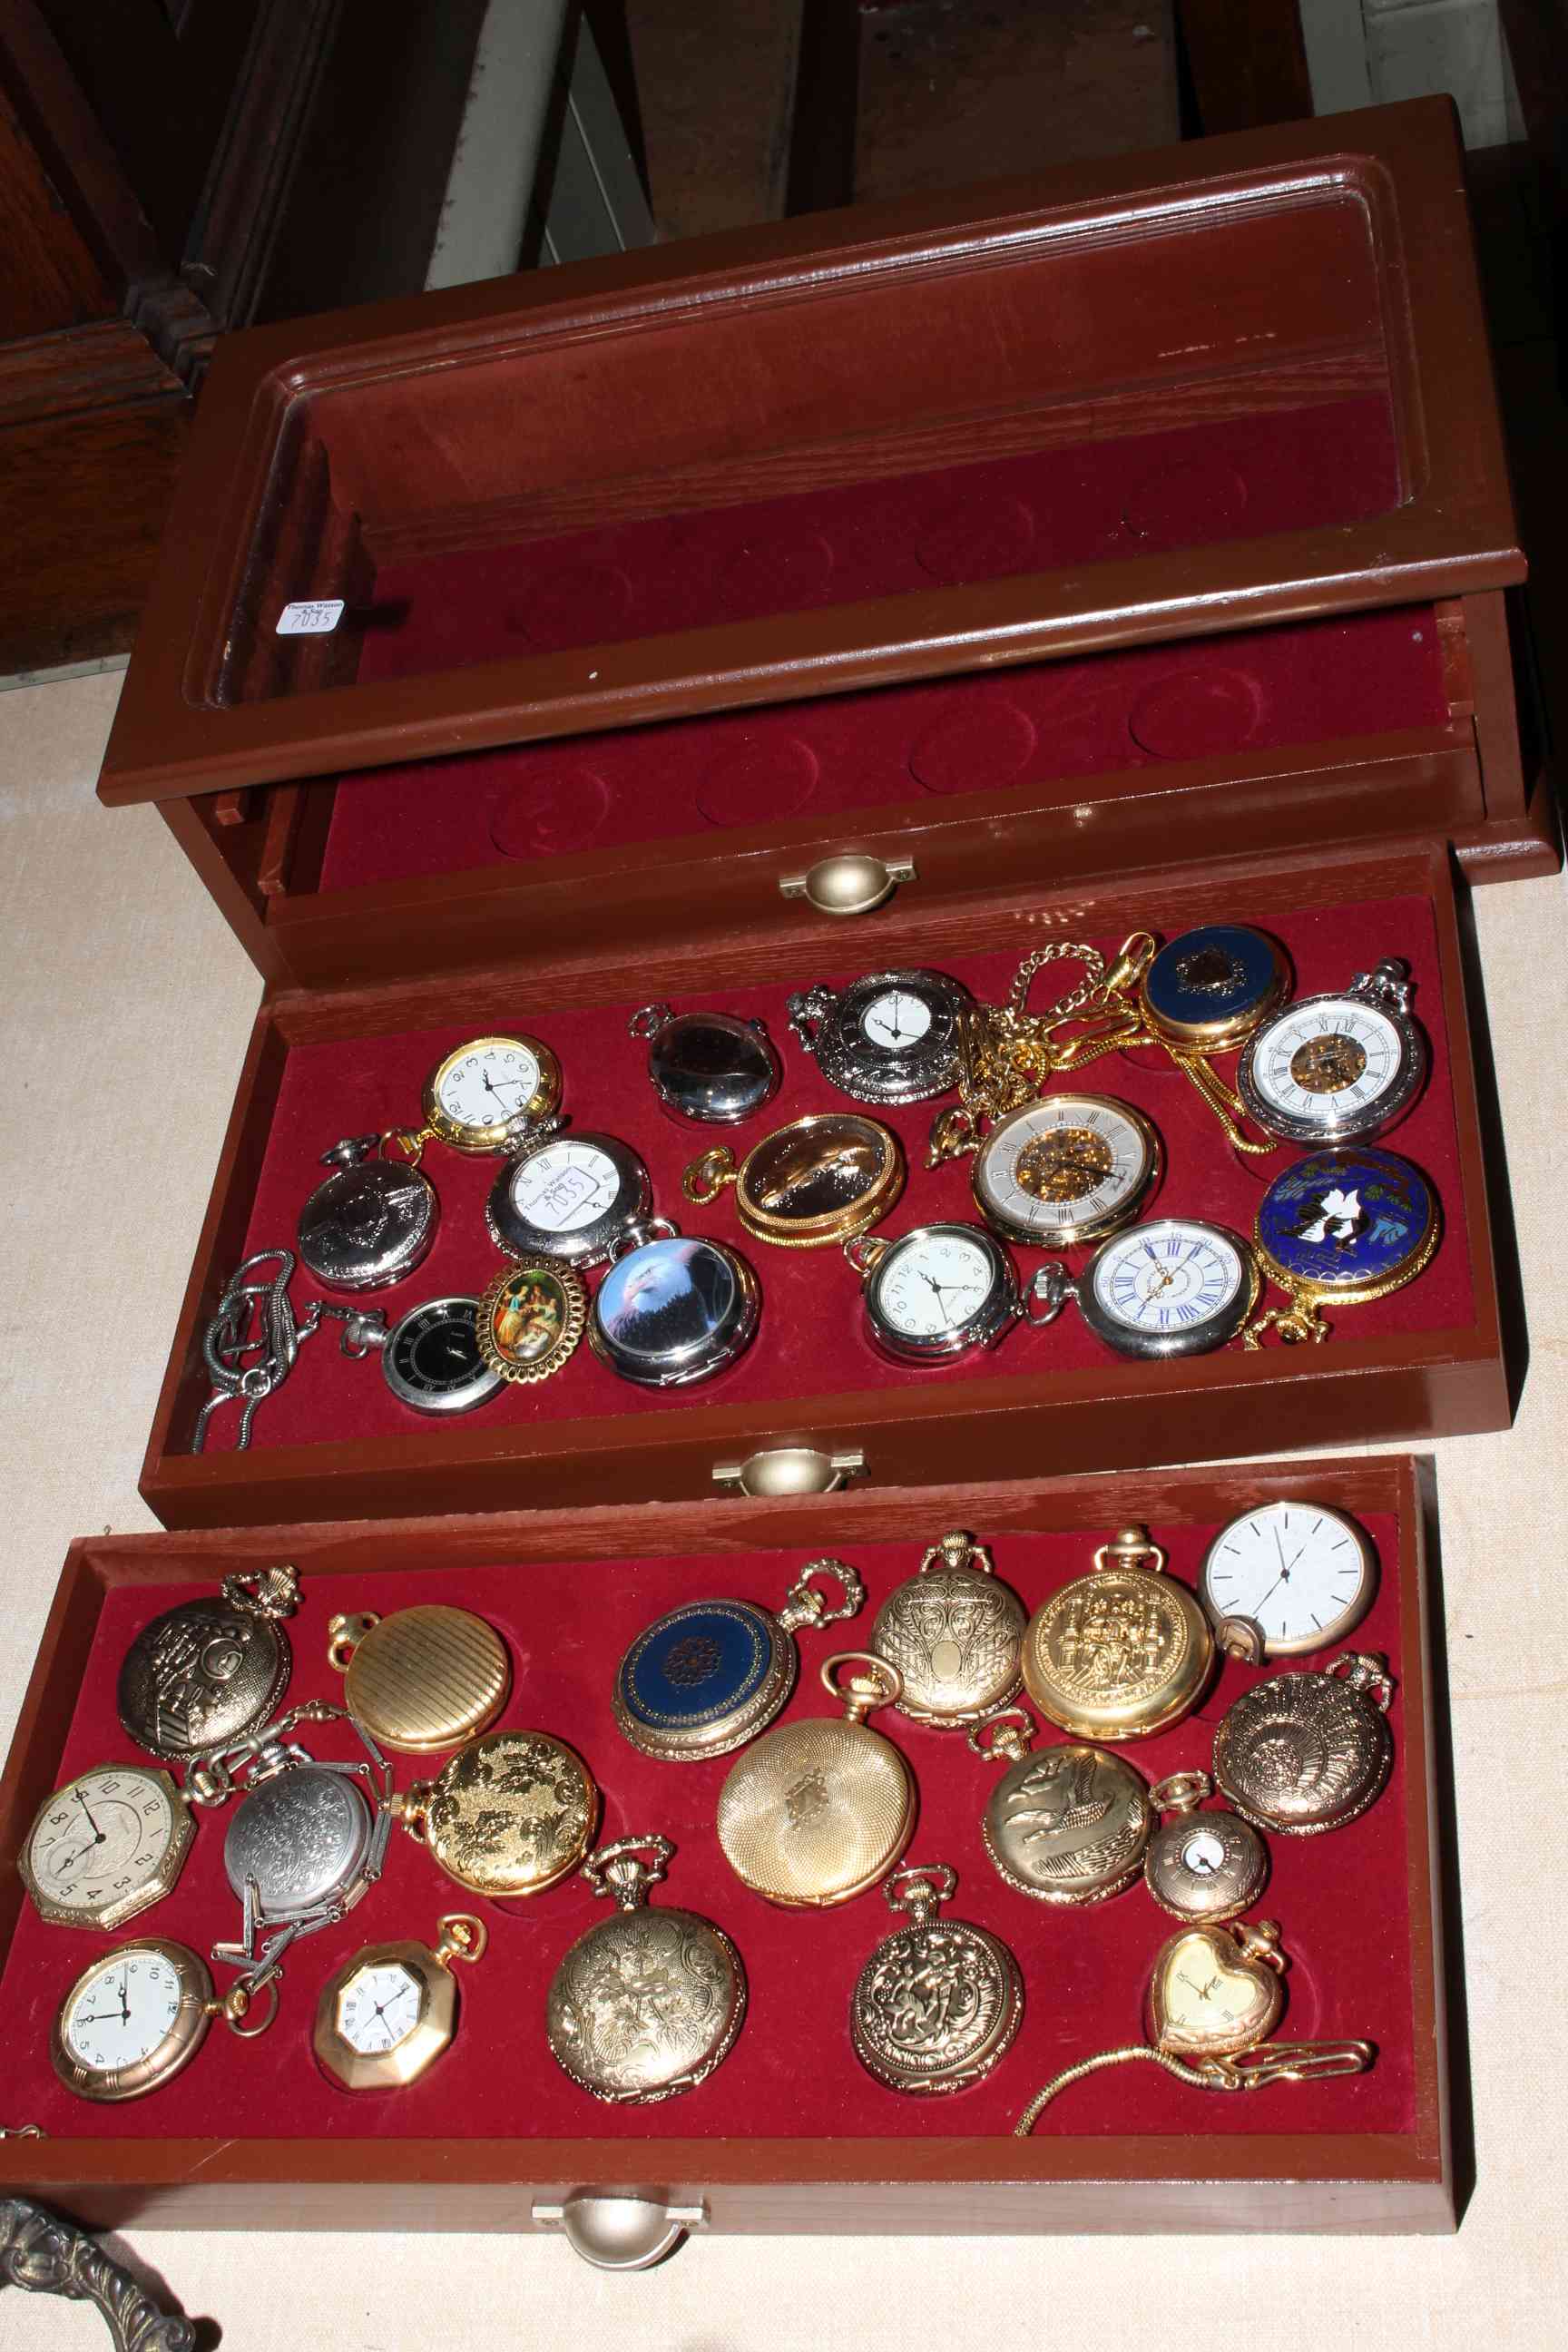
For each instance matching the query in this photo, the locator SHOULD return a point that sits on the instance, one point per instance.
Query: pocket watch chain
(251, 1344)
(1247, 2070)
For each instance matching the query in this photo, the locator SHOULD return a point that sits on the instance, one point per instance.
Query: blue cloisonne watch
(1344, 1227)
(709, 1677)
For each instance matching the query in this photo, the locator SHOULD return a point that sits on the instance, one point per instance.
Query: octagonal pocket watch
(105, 1847)
(388, 2014)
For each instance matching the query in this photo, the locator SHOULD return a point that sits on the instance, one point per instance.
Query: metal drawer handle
(790, 1470)
(620, 2233)
(850, 884)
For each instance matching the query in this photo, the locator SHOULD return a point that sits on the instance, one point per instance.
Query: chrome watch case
(711, 1068)
(883, 1265)
(371, 1222)
(890, 1037)
(672, 1310)
(431, 1360)
(569, 1197)
(1338, 1068)
(1223, 1266)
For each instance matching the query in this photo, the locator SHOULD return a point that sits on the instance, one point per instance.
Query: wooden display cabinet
(788, 2135)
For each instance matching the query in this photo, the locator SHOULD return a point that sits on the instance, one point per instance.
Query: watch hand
(92, 1825)
(125, 1994)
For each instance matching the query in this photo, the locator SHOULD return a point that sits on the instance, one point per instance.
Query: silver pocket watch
(1337, 1067)
(1173, 1287)
(431, 1358)
(569, 1197)
(371, 1222)
(710, 1066)
(892, 1037)
(673, 1308)
(939, 1292)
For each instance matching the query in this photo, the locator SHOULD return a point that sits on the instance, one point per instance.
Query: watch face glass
(1344, 1220)
(935, 1284)
(1331, 1064)
(529, 1317)
(102, 1840)
(379, 2007)
(1301, 1572)
(710, 1067)
(1058, 1167)
(432, 1360)
(1168, 1279)
(121, 2010)
(490, 1084)
(566, 1186)
(895, 1020)
(665, 1304)
(696, 1666)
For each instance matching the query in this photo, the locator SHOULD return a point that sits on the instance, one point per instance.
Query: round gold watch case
(1209, 989)
(409, 2029)
(1065, 1825)
(1205, 1866)
(1066, 1172)
(422, 1680)
(953, 1632)
(502, 1134)
(1307, 1752)
(194, 2008)
(819, 1180)
(937, 2003)
(507, 1815)
(816, 1812)
(1122, 1652)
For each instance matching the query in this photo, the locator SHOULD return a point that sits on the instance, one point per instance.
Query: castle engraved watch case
(819, 1810)
(1065, 1825)
(953, 1632)
(206, 1673)
(892, 1037)
(937, 2005)
(1122, 1652)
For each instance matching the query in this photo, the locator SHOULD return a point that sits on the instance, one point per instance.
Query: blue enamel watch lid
(707, 1676)
(1210, 987)
(1350, 1225)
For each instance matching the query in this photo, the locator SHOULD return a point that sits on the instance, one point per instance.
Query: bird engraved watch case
(713, 1067)
(388, 2014)
(646, 2005)
(818, 1810)
(568, 1197)
(137, 2016)
(371, 1222)
(206, 1673)
(892, 1037)
(1122, 1652)
(1337, 1068)
(672, 1310)
(507, 1816)
(820, 1180)
(1287, 1578)
(1340, 1228)
(1303, 1753)
(531, 1320)
(1067, 1825)
(109, 1844)
(1067, 1170)
(422, 1679)
(1173, 1287)
(939, 2001)
(953, 1632)
(1207, 1866)
(938, 1293)
(705, 1677)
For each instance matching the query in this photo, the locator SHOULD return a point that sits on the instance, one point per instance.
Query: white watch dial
(379, 2007)
(489, 1086)
(1167, 1276)
(1328, 1062)
(102, 1840)
(936, 1285)
(121, 2010)
(896, 1020)
(1062, 1164)
(564, 1186)
(1302, 1573)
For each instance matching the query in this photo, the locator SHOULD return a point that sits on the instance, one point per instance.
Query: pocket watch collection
(585, 1252)
(814, 1809)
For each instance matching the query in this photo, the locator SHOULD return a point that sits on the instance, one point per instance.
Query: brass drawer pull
(850, 884)
(620, 2232)
(782, 1470)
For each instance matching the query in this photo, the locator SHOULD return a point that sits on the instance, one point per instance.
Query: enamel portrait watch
(568, 1197)
(109, 1844)
(1173, 1287)
(1287, 1578)
(1069, 1169)
(1342, 1228)
(892, 1037)
(708, 1066)
(938, 1293)
(531, 1319)
(486, 1095)
(1337, 1068)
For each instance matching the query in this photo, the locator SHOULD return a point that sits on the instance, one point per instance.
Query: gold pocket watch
(1065, 1825)
(937, 2003)
(816, 1812)
(108, 1845)
(820, 1180)
(422, 1679)
(1340, 1228)
(953, 1632)
(388, 2013)
(1285, 1578)
(531, 1317)
(1066, 1171)
(485, 1097)
(1204, 1866)
(1303, 1753)
(1215, 1996)
(507, 1815)
(136, 2017)
(1122, 1652)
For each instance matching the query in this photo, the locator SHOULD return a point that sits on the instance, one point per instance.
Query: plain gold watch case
(501, 1135)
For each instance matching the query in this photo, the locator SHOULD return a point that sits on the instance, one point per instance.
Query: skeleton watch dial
(1337, 1068)
(1067, 1170)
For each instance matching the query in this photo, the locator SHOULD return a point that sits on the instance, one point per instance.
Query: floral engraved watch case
(507, 1815)
(953, 1632)
(892, 1037)
(937, 2003)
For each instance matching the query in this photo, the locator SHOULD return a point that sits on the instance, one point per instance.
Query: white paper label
(311, 618)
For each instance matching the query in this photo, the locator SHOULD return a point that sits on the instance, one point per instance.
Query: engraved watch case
(424, 1679)
(207, 1672)
(507, 1815)
(371, 1222)
(818, 1810)
(1122, 1652)
(1303, 1753)
(890, 1037)
(937, 2003)
(1063, 1826)
(953, 1632)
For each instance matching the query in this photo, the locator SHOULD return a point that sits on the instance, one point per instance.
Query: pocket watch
(937, 1293)
(1206, 1866)
(507, 1815)
(937, 2005)
(430, 1360)
(371, 1222)
(645, 2005)
(137, 2016)
(388, 2014)
(1337, 1068)
(672, 1310)
(953, 1631)
(1340, 1228)
(817, 1810)
(892, 1037)
(1122, 1652)
(425, 1678)
(108, 1845)
(307, 1840)
(1067, 1825)
(1175, 1287)
(1214, 1995)
(819, 1180)
(1209, 989)
(1069, 1169)
(206, 1673)
(1286, 1577)
(568, 1197)
(1310, 1751)
(710, 1066)
(705, 1677)
(531, 1320)
(486, 1097)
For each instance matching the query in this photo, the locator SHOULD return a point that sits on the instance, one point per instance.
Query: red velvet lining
(812, 1340)
(1018, 729)
(1342, 1901)
(1146, 494)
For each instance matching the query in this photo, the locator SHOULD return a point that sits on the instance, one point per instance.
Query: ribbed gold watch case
(1120, 1652)
(423, 1680)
